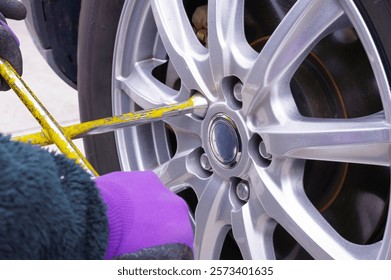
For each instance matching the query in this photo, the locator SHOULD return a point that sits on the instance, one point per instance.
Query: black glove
(9, 43)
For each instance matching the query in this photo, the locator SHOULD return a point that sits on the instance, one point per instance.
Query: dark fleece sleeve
(49, 207)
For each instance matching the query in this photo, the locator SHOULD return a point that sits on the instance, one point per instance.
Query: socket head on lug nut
(243, 191)
(200, 105)
(204, 161)
(263, 151)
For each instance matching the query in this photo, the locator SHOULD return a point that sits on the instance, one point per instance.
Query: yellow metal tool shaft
(196, 103)
(53, 133)
(50, 127)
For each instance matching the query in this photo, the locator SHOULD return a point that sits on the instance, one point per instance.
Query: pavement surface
(58, 98)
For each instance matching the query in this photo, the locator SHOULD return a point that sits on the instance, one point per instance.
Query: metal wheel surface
(292, 159)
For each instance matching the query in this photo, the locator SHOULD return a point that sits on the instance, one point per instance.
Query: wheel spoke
(253, 231)
(364, 140)
(213, 219)
(179, 173)
(144, 89)
(171, 173)
(230, 53)
(189, 57)
(305, 24)
(147, 92)
(288, 204)
(185, 124)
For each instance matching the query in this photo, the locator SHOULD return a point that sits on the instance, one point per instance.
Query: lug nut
(263, 151)
(243, 191)
(238, 88)
(205, 164)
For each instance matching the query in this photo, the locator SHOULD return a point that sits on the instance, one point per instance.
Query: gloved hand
(146, 220)
(9, 43)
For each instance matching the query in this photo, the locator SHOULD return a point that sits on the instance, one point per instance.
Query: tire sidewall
(96, 39)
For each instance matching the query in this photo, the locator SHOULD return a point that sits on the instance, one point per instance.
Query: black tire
(97, 30)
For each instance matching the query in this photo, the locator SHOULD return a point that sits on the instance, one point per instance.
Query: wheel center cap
(224, 140)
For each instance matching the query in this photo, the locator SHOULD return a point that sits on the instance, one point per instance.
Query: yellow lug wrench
(52, 132)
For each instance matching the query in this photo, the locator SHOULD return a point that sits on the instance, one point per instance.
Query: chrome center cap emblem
(224, 140)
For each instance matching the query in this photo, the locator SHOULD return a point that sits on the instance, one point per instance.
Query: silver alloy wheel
(255, 182)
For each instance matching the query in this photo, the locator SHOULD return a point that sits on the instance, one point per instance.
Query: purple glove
(142, 213)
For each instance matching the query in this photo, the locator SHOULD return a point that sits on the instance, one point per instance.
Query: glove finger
(9, 50)
(5, 25)
(13, 9)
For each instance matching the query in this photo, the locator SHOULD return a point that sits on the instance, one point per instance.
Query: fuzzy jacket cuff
(49, 207)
